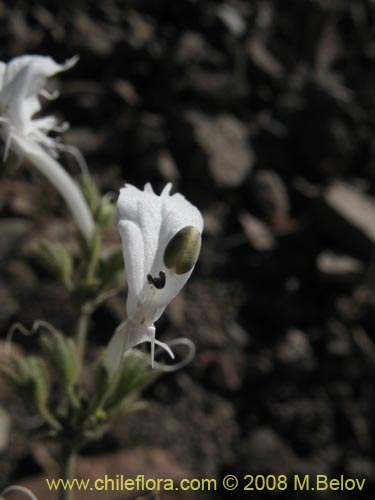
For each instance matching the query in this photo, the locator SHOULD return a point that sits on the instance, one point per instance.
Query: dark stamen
(158, 282)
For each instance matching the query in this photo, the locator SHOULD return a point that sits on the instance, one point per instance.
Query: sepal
(90, 193)
(56, 259)
(133, 374)
(61, 354)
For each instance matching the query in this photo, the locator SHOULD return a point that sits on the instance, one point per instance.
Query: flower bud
(106, 214)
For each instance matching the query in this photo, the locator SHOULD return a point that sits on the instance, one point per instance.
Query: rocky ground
(262, 113)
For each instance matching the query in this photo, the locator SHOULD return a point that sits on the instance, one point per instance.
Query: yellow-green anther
(182, 251)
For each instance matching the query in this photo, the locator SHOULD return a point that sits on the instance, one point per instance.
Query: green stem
(81, 330)
(86, 308)
(67, 473)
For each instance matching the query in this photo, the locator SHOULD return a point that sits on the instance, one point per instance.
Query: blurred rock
(305, 419)
(21, 32)
(294, 351)
(225, 370)
(89, 33)
(257, 232)
(126, 91)
(225, 142)
(141, 29)
(193, 48)
(345, 218)
(214, 219)
(232, 19)
(86, 93)
(48, 21)
(218, 304)
(329, 48)
(338, 269)
(264, 59)
(270, 196)
(216, 87)
(84, 139)
(338, 340)
(365, 343)
(167, 166)
(354, 206)
(265, 452)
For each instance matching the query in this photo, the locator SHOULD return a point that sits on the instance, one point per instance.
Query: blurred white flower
(161, 238)
(22, 82)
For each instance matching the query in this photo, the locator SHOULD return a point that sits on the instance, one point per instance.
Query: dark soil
(262, 114)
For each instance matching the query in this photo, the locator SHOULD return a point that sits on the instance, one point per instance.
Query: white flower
(22, 82)
(161, 238)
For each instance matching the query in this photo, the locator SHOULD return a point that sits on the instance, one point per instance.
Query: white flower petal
(173, 286)
(2, 73)
(23, 80)
(115, 349)
(166, 190)
(133, 251)
(45, 66)
(143, 208)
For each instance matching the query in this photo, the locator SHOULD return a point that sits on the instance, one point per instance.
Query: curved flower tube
(161, 238)
(22, 81)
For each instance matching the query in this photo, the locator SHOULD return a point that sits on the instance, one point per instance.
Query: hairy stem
(68, 461)
(81, 331)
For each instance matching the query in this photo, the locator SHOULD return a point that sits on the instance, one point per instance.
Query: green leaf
(101, 387)
(62, 357)
(90, 254)
(133, 374)
(91, 247)
(91, 193)
(56, 259)
(39, 382)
